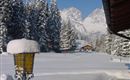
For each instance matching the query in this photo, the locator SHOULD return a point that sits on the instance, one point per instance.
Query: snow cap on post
(22, 46)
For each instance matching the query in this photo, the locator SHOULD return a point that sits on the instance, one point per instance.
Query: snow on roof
(22, 46)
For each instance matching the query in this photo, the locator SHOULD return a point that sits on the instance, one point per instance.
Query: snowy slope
(5, 77)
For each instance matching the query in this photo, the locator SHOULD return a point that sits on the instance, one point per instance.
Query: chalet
(87, 48)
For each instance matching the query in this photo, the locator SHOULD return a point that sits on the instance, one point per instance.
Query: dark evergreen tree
(54, 25)
(36, 22)
(16, 28)
(5, 19)
(42, 9)
(31, 18)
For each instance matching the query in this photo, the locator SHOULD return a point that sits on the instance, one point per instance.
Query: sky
(85, 6)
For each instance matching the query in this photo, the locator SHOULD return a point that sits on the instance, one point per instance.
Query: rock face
(22, 46)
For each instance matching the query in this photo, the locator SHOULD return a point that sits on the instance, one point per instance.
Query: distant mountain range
(93, 24)
(96, 22)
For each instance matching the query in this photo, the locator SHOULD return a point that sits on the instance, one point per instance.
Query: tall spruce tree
(16, 28)
(31, 21)
(65, 36)
(54, 24)
(5, 19)
(108, 43)
(27, 25)
(121, 45)
(42, 9)
(36, 22)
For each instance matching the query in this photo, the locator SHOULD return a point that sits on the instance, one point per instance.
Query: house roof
(117, 14)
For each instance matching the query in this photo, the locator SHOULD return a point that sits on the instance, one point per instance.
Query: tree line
(35, 20)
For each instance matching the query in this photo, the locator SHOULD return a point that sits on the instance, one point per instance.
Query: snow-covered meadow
(76, 66)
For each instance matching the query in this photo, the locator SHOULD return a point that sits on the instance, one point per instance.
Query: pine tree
(67, 35)
(117, 45)
(5, 15)
(54, 25)
(36, 22)
(73, 35)
(108, 43)
(32, 13)
(27, 24)
(16, 28)
(42, 24)
(125, 45)
(122, 45)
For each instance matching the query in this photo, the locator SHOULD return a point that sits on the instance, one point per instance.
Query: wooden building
(87, 48)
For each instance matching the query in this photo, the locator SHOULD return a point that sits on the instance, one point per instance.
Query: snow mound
(4, 53)
(22, 46)
(5, 77)
(100, 76)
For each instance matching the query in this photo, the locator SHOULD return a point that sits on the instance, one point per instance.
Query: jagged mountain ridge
(74, 15)
(94, 23)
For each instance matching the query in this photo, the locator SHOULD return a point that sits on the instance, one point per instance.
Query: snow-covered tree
(36, 22)
(117, 45)
(42, 24)
(108, 43)
(16, 28)
(27, 25)
(54, 25)
(31, 20)
(67, 36)
(5, 19)
(121, 45)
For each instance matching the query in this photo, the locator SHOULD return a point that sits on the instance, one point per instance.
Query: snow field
(78, 66)
(5, 77)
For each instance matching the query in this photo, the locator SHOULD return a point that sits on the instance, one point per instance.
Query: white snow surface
(22, 46)
(5, 77)
(78, 66)
(4, 53)
(121, 59)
